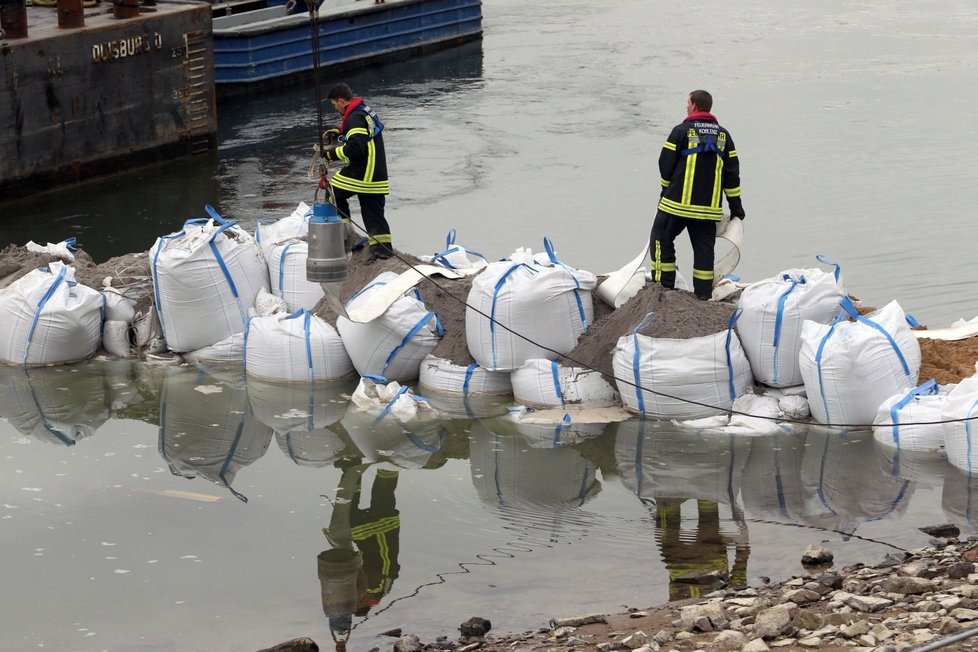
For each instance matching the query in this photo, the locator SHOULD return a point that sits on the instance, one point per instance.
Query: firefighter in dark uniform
(697, 165)
(359, 143)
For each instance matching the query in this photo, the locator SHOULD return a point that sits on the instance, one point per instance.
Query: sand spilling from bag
(678, 314)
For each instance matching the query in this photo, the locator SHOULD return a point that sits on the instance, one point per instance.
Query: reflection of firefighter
(691, 561)
(361, 566)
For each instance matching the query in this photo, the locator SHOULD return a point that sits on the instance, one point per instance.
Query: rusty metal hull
(76, 103)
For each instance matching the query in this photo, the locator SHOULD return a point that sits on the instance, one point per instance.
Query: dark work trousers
(372, 210)
(702, 234)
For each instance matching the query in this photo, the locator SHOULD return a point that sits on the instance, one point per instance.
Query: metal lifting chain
(320, 164)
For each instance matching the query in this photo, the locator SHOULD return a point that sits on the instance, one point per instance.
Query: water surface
(143, 509)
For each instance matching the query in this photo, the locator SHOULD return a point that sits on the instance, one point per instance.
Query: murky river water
(141, 508)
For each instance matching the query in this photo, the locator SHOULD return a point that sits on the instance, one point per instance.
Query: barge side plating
(114, 93)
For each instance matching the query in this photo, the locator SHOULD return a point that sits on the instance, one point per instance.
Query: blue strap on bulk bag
(556, 378)
(411, 333)
(730, 335)
(577, 285)
(492, 311)
(40, 306)
(636, 360)
(468, 377)
(929, 388)
(850, 308)
(782, 299)
(818, 364)
(828, 261)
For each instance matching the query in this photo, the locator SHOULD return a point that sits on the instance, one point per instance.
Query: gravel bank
(904, 602)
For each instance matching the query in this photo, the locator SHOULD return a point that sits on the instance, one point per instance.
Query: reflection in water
(207, 427)
(60, 405)
(665, 469)
(509, 471)
(360, 566)
(843, 487)
(302, 414)
(960, 499)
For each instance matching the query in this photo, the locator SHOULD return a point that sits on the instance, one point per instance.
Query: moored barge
(87, 91)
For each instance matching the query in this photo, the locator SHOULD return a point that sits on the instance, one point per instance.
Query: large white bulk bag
(300, 347)
(205, 278)
(464, 392)
(393, 345)
(774, 311)
(48, 318)
(440, 376)
(912, 421)
(681, 378)
(961, 428)
(285, 247)
(287, 274)
(456, 257)
(295, 225)
(547, 304)
(544, 383)
(851, 367)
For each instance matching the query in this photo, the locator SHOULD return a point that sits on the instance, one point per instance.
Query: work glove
(329, 153)
(331, 136)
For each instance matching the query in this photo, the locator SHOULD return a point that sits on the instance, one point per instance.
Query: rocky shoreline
(926, 599)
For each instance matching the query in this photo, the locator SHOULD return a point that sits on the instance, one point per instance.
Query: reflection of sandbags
(702, 376)
(771, 480)
(505, 472)
(961, 427)
(394, 344)
(843, 487)
(550, 305)
(55, 404)
(959, 499)
(655, 460)
(205, 278)
(544, 383)
(300, 414)
(207, 428)
(924, 468)
(298, 406)
(774, 311)
(911, 421)
(48, 318)
(300, 347)
(550, 428)
(394, 445)
(851, 367)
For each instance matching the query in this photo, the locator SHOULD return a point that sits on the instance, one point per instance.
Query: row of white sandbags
(798, 329)
(930, 417)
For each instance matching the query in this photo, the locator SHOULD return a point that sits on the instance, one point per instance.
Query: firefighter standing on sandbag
(359, 142)
(697, 165)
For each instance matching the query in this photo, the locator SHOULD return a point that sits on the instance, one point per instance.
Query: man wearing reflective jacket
(360, 145)
(697, 165)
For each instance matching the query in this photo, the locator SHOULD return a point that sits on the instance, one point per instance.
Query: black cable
(612, 377)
